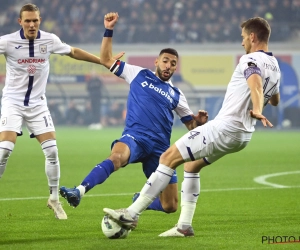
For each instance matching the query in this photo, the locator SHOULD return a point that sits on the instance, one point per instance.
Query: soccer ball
(112, 230)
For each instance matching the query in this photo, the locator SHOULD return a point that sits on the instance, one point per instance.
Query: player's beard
(161, 76)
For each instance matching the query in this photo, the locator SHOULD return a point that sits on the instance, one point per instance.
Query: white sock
(190, 191)
(81, 190)
(6, 148)
(156, 183)
(52, 167)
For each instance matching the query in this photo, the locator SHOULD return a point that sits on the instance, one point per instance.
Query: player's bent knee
(170, 207)
(50, 149)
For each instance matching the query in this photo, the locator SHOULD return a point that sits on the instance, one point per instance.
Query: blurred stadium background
(205, 32)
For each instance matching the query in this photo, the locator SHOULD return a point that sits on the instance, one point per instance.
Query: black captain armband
(114, 68)
(108, 33)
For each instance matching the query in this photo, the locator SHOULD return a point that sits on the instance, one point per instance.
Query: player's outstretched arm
(110, 20)
(83, 55)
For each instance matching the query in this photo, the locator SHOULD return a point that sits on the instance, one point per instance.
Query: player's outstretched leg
(72, 195)
(178, 232)
(122, 216)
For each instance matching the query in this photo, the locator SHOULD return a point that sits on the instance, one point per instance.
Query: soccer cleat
(72, 195)
(57, 208)
(177, 232)
(122, 217)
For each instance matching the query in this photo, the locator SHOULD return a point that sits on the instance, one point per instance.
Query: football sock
(156, 183)
(6, 148)
(81, 190)
(190, 190)
(98, 174)
(52, 167)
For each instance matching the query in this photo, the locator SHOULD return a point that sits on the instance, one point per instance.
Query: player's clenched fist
(110, 19)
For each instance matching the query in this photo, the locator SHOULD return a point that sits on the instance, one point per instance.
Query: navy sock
(156, 205)
(98, 175)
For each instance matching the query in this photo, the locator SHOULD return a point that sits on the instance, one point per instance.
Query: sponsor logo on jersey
(144, 84)
(193, 134)
(251, 58)
(18, 47)
(31, 60)
(43, 49)
(160, 90)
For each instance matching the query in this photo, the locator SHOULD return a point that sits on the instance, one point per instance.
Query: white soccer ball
(112, 229)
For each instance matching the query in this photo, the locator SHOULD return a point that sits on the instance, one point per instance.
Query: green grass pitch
(233, 211)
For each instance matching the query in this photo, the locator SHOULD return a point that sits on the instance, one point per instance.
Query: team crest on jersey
(3, 121)
(171, 92)
(43, 49)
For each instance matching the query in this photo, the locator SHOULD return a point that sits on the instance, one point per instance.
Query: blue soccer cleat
(72, 195)
(135, 196)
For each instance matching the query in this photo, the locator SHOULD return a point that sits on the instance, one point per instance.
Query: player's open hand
(110, 19)
(262, 118)
(201, 118)
(119, 55)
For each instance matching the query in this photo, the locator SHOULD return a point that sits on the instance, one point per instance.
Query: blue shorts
(143, 149)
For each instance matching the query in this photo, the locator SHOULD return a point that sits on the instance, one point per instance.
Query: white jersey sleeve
(59, 47)
(125, 71)
(183, 110)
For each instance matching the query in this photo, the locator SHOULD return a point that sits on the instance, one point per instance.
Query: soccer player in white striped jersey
(27, 53)
(254, 84)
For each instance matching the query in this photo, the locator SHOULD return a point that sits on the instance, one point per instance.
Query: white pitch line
(262, 179)
(127, 194)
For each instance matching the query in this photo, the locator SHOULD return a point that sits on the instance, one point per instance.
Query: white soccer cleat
(57, 209)
(177, 232)
(122, 217)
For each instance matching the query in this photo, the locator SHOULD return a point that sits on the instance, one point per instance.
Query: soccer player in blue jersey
(151, 101)
(27, 52)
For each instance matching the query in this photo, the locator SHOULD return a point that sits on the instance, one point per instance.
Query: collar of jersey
(268, 53)
(163, 80)
(23, 37)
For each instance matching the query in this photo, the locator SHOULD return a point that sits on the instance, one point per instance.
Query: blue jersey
(150, 103)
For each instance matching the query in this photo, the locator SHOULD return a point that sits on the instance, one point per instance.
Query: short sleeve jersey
(27, 66)
(150, 102)
(237, 102)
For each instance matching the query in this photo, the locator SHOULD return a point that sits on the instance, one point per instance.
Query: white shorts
(208, 142)
(37, 119)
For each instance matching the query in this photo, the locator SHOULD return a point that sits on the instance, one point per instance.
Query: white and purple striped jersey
(27, 66)
(150, 102)
(237, 102)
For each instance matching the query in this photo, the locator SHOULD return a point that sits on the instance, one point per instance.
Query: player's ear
(156, 62)
(20, 21)
(252, 37)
